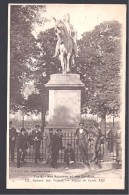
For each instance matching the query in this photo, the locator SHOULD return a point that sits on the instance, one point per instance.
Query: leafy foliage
(99, 64)
(22, 44)
(33, 103)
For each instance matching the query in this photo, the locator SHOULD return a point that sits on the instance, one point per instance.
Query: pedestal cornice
(61, 81)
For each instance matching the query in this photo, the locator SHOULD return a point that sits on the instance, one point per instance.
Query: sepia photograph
(66, 96)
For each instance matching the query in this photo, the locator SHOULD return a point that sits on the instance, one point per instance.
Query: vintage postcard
(66, 96)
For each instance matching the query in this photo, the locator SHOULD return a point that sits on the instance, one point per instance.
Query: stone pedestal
(64, 101)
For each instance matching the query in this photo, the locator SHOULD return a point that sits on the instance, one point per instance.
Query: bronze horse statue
(65, 47)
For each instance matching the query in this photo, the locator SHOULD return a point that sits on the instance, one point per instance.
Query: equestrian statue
(66, 47)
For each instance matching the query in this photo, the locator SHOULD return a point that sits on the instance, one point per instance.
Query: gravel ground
(104, 170)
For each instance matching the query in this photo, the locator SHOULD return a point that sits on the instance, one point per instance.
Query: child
(69, 155)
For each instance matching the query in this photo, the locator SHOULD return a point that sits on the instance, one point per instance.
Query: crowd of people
(21, 140)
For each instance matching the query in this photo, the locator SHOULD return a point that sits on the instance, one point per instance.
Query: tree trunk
(106, 153)
(43, 108)
(103, 124)
(113, 121)
(43, 119)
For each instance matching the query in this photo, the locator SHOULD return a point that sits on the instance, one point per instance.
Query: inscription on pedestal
(65, 107)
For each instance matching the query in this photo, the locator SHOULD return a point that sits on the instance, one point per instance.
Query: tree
(22, 45)
(31, 58)
(33, 103)
(99, 63)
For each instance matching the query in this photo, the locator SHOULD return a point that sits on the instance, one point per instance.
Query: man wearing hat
(55, 148)
(22, 146)
(98, 139)
(81, 136)
(37, 136)
(12, 140)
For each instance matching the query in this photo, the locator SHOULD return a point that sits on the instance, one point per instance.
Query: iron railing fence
(107, 149)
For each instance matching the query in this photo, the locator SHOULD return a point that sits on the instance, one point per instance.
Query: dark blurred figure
(69, 155)
(49, 139)
(56, 141)
(12, 140)
(98, 140)
(110, 139)
(37, 137)
(30, 139)
(22, 146)
(81, 136)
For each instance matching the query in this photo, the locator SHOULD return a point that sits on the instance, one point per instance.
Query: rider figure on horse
(71, 32)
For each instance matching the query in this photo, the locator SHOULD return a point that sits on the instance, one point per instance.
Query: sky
(83, 17)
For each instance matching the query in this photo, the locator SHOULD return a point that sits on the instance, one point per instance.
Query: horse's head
(61, 28)
(58, 31)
